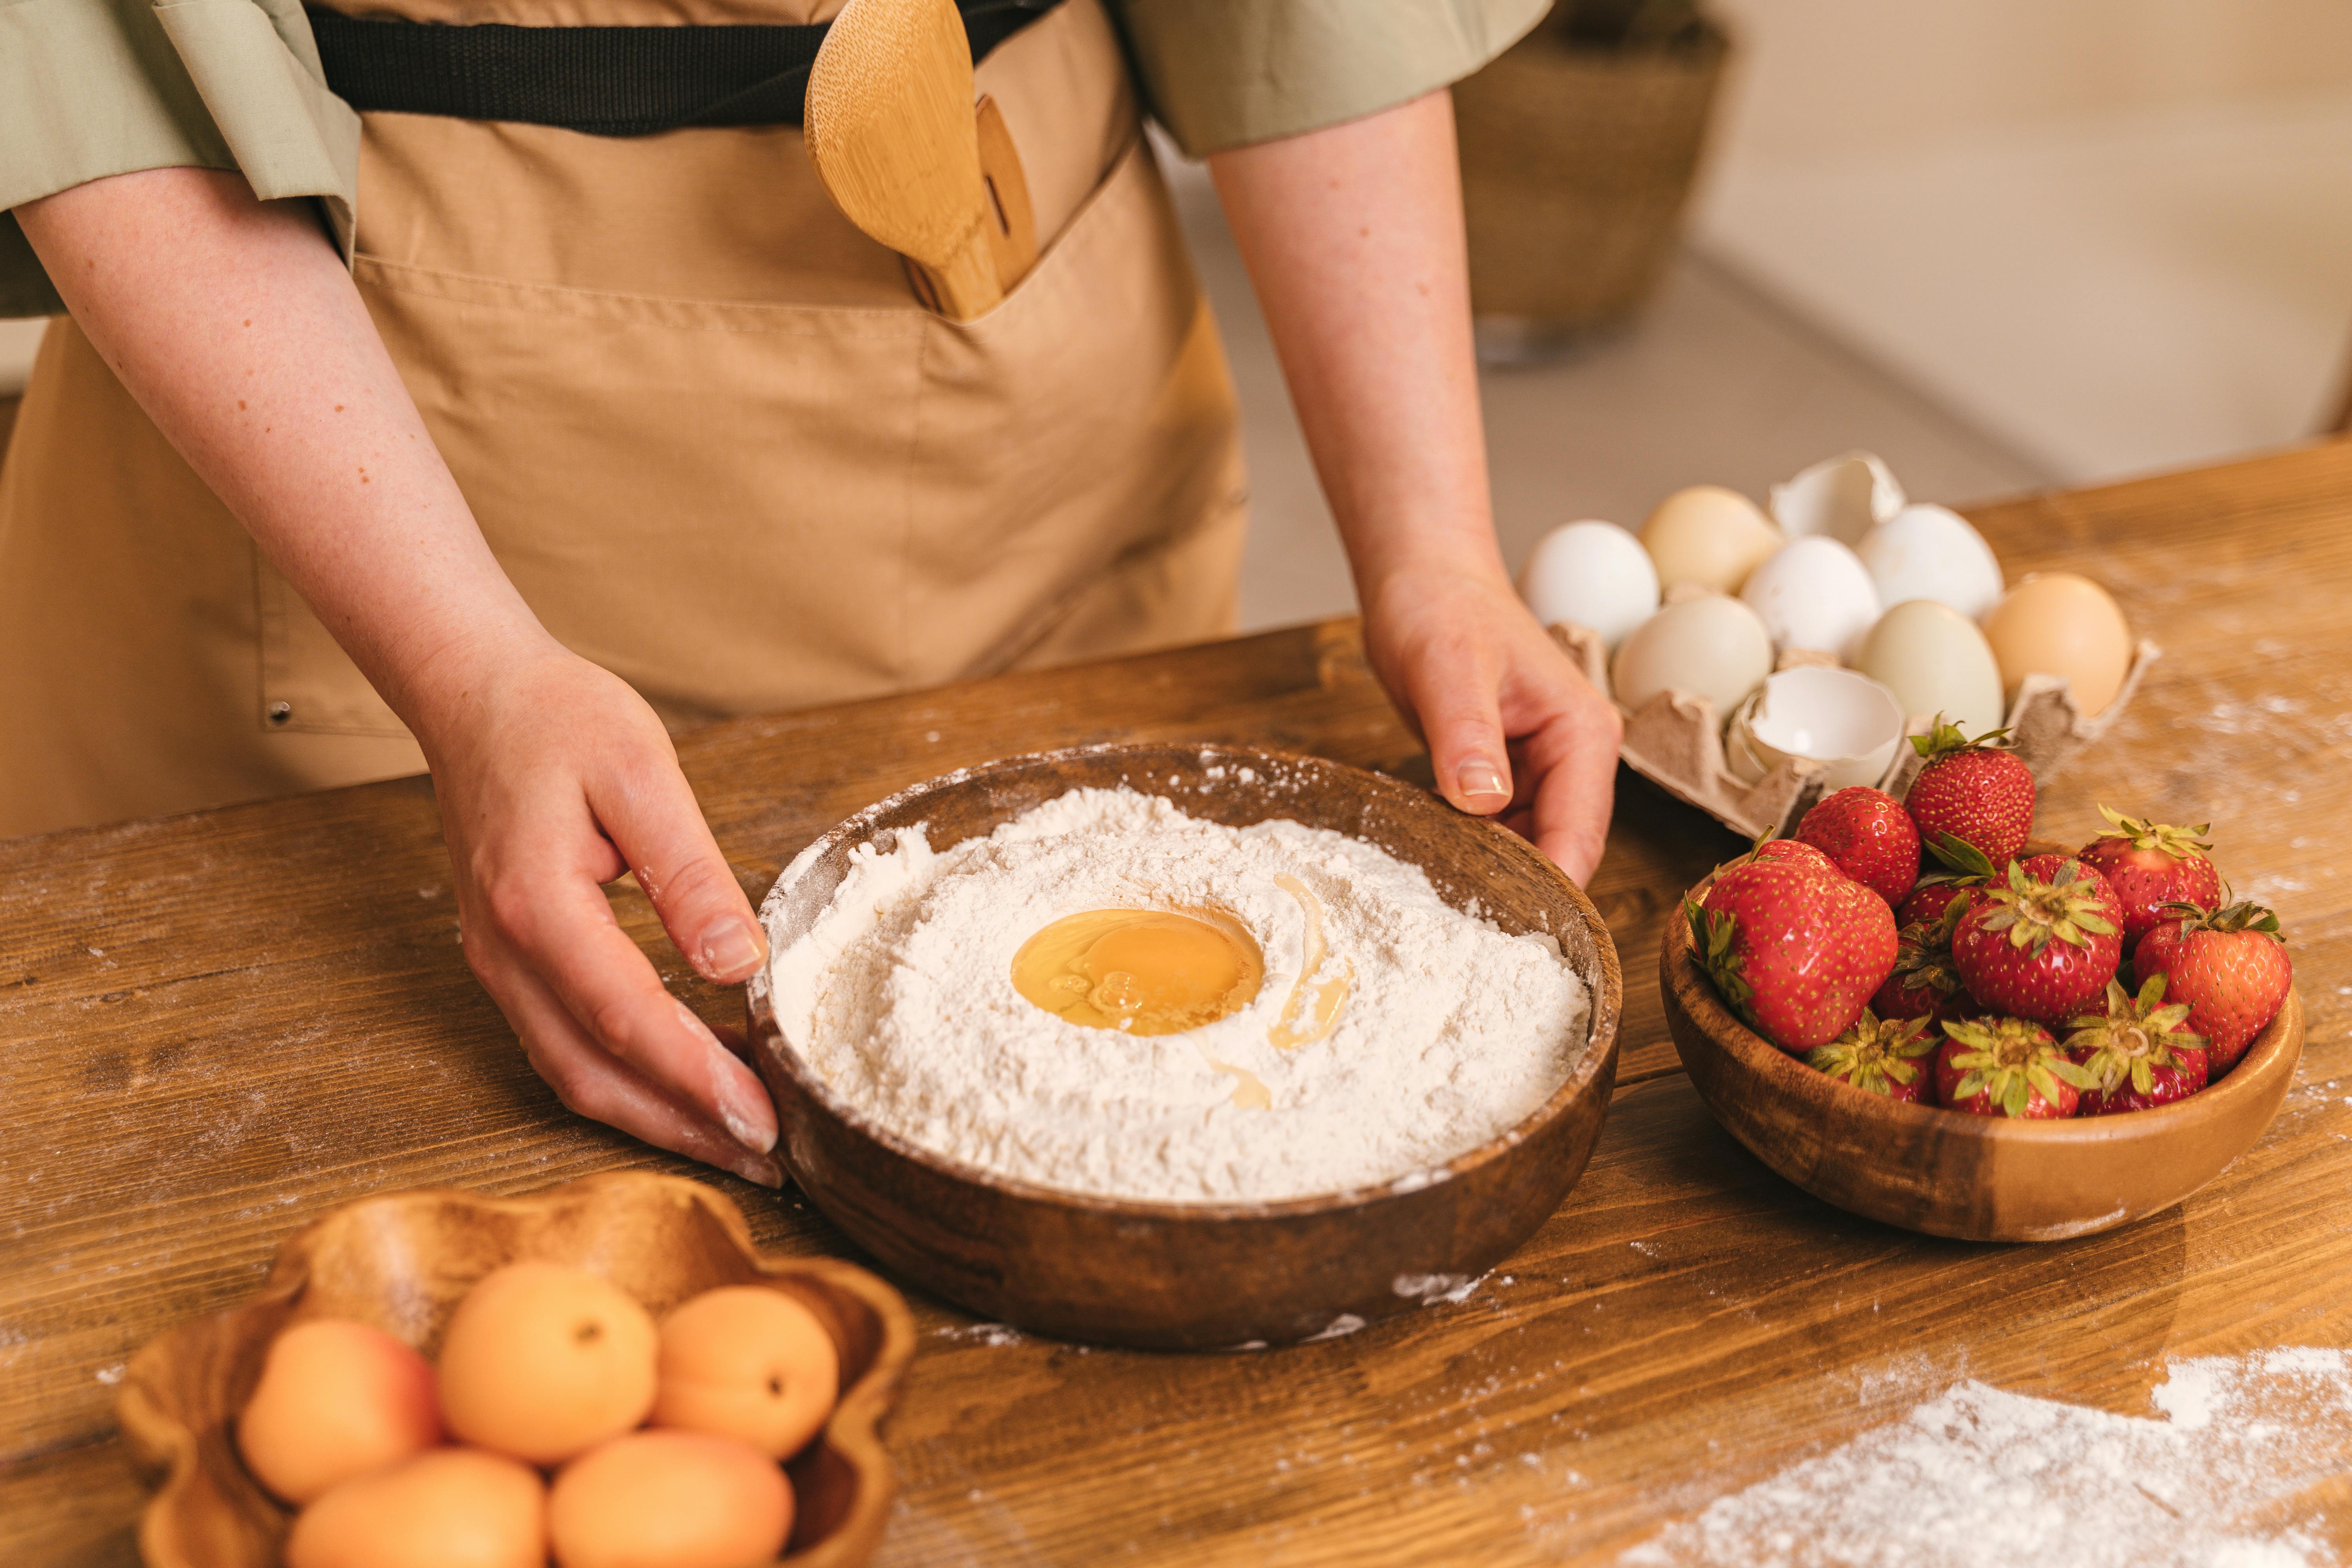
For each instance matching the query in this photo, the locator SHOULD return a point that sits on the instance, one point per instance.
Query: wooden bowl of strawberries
(1913, 1012)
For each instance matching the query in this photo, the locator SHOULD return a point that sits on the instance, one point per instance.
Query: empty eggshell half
(1934, 660)
(1813, 593)
(1843, 498)
(1591, 574)
(1844, 721)
(2058, 624)
(1710, 536)
(1738, 747)
(1932, 553)
(1711, 646)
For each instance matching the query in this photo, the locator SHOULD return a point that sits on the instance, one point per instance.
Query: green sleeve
(93, 88)
(1225, 73)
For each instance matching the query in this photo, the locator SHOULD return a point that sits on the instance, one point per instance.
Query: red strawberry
(1923, 982)
(2229, 966)
(1972, 790)
(1930, 901)
(1879, 1056)
(1963, 870)
(2042, 948)
(2151, 864)
(1793, 953)
(1870, 836)
(1791, 852)
(2137, 1050)
(2006, 1067)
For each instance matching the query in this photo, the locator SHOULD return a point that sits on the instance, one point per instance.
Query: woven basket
(1576, 166)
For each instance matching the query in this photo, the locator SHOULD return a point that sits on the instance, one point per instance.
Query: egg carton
(1675, 739)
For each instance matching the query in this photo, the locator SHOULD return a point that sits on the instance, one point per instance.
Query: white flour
(901, 997)
(2238, 1474)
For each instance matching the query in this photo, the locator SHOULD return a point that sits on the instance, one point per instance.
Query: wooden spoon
(889, 127)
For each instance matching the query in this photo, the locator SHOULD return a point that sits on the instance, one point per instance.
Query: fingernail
(729, 951)
(757, 1169)
(746, 1114)
(1478, 779)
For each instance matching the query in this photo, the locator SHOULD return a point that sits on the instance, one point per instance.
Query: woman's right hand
(553, 778)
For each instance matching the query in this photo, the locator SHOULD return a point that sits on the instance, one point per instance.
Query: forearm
(1353, 238)
(233, 324)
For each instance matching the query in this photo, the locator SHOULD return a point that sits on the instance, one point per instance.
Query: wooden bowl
(1947, 1172)
(402, 1261)
(1197, 1276)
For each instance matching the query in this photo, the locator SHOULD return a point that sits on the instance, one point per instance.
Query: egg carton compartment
(1675, 739)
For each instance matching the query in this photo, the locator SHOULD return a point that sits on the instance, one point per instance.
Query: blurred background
(2003, 243)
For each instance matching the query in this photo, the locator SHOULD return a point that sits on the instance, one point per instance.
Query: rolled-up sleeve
(93, 88)
(1225, 73)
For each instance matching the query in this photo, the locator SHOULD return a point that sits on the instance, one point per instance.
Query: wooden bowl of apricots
(598, 1374)
(1916, 1013)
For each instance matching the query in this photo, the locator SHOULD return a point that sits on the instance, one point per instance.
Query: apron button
(281, 713)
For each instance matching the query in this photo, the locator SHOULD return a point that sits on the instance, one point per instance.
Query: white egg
(1813, 593)
(1848, 723)
(1934, 660)
(1710, 647)
(1844, 497)
(1591, 574)
(1931, 553)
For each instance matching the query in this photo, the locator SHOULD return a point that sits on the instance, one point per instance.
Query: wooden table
(216, 1026)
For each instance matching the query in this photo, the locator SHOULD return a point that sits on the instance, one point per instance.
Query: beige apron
(704, 428)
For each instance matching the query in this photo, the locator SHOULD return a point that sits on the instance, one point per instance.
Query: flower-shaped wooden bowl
(402, 1261)
(1947, 1172)
(1197, 1276)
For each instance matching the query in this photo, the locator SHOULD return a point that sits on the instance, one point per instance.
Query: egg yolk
(1141, 971)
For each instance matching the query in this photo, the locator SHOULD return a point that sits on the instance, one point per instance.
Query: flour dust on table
(1108, 996)
(2236, 1473)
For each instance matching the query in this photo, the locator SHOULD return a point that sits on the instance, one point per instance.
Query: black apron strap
(606, 81)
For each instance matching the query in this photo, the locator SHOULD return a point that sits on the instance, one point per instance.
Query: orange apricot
(747, 1362)
(542, 1361)
(336, 1399)
(669, 1499)
(445, 1508)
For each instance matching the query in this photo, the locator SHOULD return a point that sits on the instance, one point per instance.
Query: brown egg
(2058, 624)
(445, 1508)
(544, 1360)
(336, 1399)
(669, 1499)
(749, 1363)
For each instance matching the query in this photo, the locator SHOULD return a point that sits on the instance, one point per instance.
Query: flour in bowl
(1408, 1032)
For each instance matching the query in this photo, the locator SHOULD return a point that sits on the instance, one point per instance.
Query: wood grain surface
(217, 1026)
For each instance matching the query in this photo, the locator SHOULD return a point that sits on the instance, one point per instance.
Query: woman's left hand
(1513, 728)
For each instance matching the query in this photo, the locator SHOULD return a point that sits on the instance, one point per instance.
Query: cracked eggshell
(1934, 660)
(1932, 553)
(1711, 646)
(1591, 574)
(1843, 498)
(1710, 536)
(2056, 622)
(1813, 593)
(1846, 721)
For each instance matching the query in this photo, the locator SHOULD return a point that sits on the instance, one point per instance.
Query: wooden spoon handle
(1013, 222)
(966, 285)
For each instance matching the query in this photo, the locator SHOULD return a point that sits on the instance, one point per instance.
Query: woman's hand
(554, 777)
(1512, 727)
(1353, 237)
